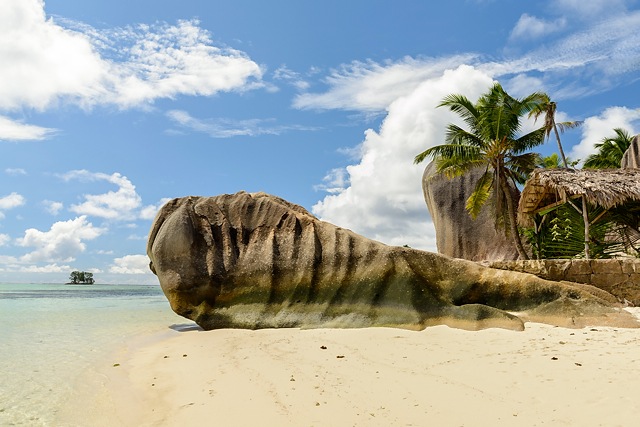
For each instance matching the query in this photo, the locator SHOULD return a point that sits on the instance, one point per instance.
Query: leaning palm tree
(492, 141)
(610, 151)
(546, 107)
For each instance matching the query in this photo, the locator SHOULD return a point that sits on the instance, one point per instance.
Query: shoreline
(544, 375)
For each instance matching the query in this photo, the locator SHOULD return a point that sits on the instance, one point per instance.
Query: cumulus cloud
(12, 130)
(4, 239)
(597, 127)
(50, 60)
(61, 243)
(149, 212)
(131, 264)
(530, 27)
(382, 198)
(11, 201)
(369, 86)
(49, 268)
(53, 208)
(121, 204)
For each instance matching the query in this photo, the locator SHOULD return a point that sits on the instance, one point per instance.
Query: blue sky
(110, 108)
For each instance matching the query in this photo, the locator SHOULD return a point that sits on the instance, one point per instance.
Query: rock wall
(619, 277)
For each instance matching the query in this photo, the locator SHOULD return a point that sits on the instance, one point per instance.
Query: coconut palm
(492, 141)
(553, 161)
(546, 107)
(610, 151)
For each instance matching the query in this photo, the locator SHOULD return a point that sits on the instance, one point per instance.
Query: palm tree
(492, 142)
(552, 161)
(610, 151)
(547, 108)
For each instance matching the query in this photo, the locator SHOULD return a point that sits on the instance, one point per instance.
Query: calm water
(50, 334)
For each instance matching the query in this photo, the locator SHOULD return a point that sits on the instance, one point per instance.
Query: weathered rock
(631, 157)
(457, 234)
(257, 261)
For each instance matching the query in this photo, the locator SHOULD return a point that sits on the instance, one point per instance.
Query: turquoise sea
(50, 334)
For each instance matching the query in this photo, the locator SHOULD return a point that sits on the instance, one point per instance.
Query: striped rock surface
(251, 260)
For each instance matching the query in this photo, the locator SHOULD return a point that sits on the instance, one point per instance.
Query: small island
(81, 278)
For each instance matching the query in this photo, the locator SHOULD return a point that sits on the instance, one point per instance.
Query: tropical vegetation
(610, 151)
(493, 141)
(81, 277)
(547, 108)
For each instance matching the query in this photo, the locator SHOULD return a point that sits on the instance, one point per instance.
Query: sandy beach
(544, 376)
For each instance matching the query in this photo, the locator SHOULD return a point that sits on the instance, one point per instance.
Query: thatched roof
(601, 187)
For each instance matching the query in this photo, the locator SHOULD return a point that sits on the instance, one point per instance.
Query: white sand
(544, 376)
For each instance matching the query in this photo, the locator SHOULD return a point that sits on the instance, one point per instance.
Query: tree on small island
(81, 277)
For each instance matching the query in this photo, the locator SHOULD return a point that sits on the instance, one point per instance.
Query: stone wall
(619, 277)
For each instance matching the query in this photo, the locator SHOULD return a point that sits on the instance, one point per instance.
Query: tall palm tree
(547, 108)
(492, 142)
(610, 151)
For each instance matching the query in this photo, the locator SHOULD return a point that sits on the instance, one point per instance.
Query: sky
(110, 108)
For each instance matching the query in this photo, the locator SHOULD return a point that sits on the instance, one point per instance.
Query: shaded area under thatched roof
(607, 188)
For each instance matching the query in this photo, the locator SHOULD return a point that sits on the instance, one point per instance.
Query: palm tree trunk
(513, 225)
(564, 159)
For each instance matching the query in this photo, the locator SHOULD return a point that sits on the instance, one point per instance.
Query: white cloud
(591, 9)
(11, 130)
(530, 27)
(336, 181)
(11, 201)
(149, 212)
(53, 208)
(226, 128)
(285, 74)
(61, 243)
(383, 199)
(131, 264)
(369, 86)
(137, 237)
(15, 171)
(522, 85)
(48, 63)
(601, 126)
(4, 239)
(121, 204)
(49, 268)
(164, 60)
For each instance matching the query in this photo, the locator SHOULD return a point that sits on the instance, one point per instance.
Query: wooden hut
(547, 189)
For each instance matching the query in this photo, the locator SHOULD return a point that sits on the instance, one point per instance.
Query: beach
(543, 376)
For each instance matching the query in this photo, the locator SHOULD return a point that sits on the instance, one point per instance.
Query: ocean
(50, 334)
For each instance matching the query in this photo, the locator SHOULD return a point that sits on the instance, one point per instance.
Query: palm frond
(563, 126)
(456, 135)
(519, 167)
(452, 168)
(529, 140)
(480, 194)
(462, 106)
(459, 152)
